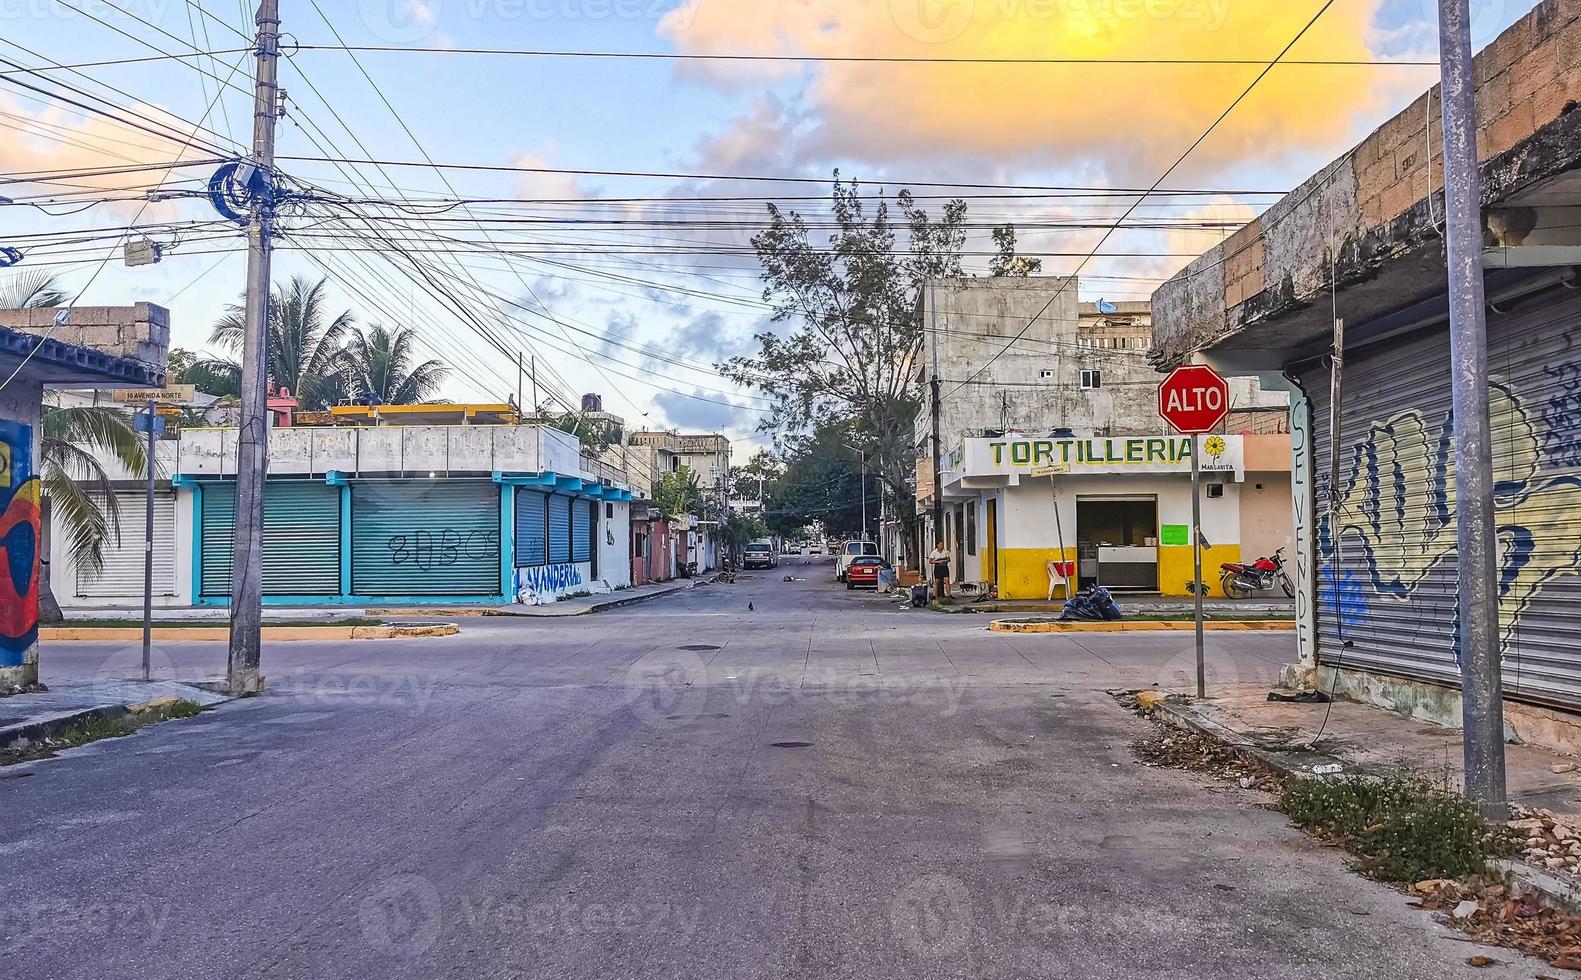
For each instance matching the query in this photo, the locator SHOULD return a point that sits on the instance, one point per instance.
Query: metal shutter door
(559, 529)
(531, 546)
(1396, 580)
(429, 537)
(122, 574)
(301, 538)
(581, 532)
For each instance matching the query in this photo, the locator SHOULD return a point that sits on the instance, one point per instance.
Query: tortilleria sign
(1118, 455)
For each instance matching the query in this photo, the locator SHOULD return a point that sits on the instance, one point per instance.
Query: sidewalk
(1367, 740)
(40, 714)
(583, 605)
(1144, 605)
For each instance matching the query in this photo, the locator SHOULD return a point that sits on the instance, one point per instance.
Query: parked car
(758, 554)
(812, 549)
(852, 549)
(862, 573)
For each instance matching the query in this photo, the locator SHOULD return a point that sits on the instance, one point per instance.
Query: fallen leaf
(1481, 961)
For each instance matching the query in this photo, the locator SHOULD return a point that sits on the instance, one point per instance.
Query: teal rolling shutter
(301, 539)
(559, 529)
(531, 545)
(425, 537)
(581, 531)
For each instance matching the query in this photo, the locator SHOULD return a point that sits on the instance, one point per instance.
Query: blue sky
(1081, 125)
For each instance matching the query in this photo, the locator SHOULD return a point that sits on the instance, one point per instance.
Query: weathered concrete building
(86, 347)
(1079, 368)
(1361, 241)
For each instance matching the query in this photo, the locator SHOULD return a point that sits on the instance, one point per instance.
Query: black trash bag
(1092, 604)
(919, 596)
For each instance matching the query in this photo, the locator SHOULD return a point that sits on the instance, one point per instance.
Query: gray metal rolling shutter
(122, 575)
(581, 531)
(559, 529)
(531, 545)
(1393, 584)
(301, 538)
(425, 537)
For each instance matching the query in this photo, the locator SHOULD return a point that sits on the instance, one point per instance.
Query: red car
(863, 572)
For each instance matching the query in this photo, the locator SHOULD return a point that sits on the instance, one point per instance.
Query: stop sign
(1194, 399)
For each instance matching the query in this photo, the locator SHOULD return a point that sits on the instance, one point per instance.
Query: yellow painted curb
(275, 633)
(1142, 626)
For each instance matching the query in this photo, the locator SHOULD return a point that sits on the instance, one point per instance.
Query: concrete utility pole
(148, 547)
(1481, 687)
(938, 474)
(253, 444)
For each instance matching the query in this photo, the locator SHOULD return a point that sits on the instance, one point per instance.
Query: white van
(852, 549)
(759, 554)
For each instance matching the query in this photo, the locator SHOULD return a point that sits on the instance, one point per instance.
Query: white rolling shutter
(122, 575)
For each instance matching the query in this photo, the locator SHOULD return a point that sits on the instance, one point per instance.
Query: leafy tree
(852, 356)
(596, 435)
(739, 529)
(678, 493)
(822, 482)
(215, 376)
(380, 362)
(305, 343)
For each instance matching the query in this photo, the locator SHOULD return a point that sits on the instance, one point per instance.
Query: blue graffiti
(554, 579)
(1407, 537)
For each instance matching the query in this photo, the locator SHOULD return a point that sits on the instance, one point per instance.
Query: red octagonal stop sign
(1194, 399)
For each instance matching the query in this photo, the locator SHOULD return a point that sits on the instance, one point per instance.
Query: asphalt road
(824, 786)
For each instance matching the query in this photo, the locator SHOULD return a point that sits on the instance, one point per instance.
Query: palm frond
(82, 501)
(31, 290)
(103, 428)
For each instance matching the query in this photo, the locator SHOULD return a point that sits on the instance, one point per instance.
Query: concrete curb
(43, 728)
(1139, 626)
(275, 633)
(1563, 893)
(615, 601)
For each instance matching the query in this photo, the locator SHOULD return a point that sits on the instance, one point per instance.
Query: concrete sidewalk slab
(1366, 739)
(40, 714)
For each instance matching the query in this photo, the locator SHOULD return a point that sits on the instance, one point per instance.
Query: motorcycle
(1240, 580)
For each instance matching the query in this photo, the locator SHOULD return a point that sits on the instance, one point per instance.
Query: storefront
(384, 515)
(1022, 513)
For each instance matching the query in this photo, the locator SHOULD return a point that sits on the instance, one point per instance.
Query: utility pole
(148, 548)
(1481, 686)
(253, 443)
(532, 376)
(938, 475)
(519, 407)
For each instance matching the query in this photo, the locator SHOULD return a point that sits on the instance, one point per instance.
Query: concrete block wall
(140, 332)
(1372, 201)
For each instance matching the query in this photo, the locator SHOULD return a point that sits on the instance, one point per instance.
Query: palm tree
(77, 488)
(379, 364)
(31, 290)
(305, 345)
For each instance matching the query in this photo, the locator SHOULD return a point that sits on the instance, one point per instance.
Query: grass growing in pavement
(96, 729)
(1404, 828)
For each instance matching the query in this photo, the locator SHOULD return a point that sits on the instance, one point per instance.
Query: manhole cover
(698, 646)
(791, 745)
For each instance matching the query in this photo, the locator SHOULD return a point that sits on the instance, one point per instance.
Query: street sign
(1194, 399)
(1053, 469)
(169, 395)
(140, 423)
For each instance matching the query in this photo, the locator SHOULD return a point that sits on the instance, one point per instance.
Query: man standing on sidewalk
(939, 559)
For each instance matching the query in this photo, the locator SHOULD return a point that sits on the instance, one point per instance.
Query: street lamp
(863, 454)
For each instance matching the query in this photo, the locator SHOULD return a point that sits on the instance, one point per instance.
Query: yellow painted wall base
(1023, 571)
(1174, 568)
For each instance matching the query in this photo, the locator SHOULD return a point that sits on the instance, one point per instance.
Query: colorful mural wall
(1397, 509)
(20, 531)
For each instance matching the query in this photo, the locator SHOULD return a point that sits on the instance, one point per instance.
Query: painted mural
(20, 528)
(1405, 530)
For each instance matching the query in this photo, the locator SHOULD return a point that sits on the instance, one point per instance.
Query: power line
(662, 175)
(1163, 177)
(859, 59)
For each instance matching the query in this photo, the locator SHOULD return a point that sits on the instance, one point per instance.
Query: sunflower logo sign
(1214, 446)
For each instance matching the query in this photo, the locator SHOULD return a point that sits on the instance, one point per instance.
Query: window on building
(609, 511)
(1046, 374)
(971, 529)
(1091, 380)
